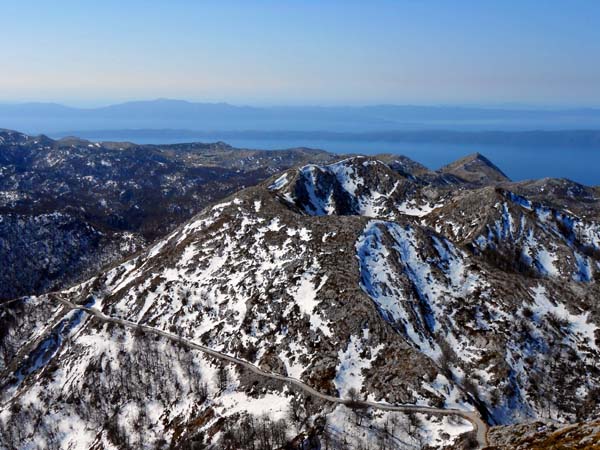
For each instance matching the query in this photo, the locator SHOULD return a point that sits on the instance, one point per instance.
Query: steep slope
(295, 277)
(280, 292)
(42, 252)
(76, 205)
(517, 234)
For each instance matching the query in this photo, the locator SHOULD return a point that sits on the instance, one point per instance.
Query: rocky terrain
(382, 304)
(69, 207)
(547, 435)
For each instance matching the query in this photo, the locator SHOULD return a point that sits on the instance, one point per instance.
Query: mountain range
(361, 302)
(70, 206)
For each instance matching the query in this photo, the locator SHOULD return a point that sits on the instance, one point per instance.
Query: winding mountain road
(480, 427)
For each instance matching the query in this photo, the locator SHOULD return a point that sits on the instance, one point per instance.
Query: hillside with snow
(366, 303)
(70, 207)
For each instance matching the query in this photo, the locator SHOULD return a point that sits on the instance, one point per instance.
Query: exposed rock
(345, 276)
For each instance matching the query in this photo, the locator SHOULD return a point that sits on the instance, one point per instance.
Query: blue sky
(302, 52)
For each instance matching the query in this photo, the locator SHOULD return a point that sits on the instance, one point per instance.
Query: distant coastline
(534, 138)
(525, 155)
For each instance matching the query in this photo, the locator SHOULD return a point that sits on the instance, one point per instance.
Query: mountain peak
(476, 168)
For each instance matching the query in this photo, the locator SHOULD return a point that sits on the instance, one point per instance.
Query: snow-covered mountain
(69, 207)
(367, 280)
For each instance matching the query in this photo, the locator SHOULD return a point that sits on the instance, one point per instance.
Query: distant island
(184, 115)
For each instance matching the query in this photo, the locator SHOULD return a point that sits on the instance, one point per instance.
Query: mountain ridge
(70, 206)
(355, 278)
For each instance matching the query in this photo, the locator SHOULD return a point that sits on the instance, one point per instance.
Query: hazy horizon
(48, 118)
(339, 74)
(302, 53)
(281, 104)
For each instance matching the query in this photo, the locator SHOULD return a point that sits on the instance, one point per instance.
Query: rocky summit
(363, 303)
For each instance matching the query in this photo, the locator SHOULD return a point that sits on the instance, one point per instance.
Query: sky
(263, 52)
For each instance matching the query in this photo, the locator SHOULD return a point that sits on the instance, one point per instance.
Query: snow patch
(356, 358)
